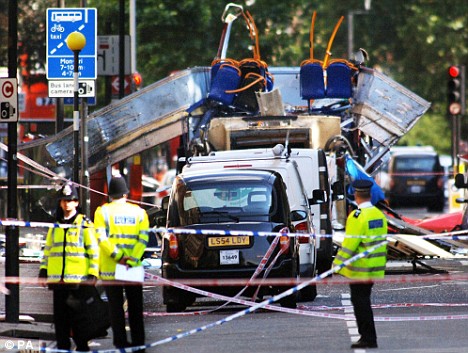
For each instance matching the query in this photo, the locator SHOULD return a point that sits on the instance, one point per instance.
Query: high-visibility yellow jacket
(122, 230)
(71, 254)
(365, 228)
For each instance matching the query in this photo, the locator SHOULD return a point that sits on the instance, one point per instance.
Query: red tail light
(302, 228)
(440, 182)
(173, 247)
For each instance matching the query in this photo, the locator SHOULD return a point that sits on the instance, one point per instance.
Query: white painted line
(350, 318)
(406, 288)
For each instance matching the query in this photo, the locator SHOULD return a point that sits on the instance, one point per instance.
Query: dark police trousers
(361, 300)
(63, 314)
(134, 295)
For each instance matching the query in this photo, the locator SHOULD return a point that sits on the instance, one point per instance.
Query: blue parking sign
(60, 61)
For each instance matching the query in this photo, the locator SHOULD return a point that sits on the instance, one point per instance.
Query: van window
(415, 164)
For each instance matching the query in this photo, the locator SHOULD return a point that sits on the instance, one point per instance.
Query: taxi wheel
(437, 205)
(324, 265)
(175, 307)
(308, 294)
(177, 300)
(290, 301)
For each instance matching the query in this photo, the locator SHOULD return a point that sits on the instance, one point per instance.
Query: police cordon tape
(253, 306)
(9, 222)
(54, 178)
(322, 308)
(152, 281)
(455, 235)
(300, 311)
(267, 305)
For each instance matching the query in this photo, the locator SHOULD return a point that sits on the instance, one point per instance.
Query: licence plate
(214, 242)
(415, 189)
(229, 257)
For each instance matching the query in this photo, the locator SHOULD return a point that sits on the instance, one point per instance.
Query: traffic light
(456, 90)
(137, 80)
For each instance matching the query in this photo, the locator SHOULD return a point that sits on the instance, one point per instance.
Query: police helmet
(117, 187)
(68, 192)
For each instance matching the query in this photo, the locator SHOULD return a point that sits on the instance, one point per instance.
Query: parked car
(416, 177)
(150, 186)
(166, 184)
(227, 200)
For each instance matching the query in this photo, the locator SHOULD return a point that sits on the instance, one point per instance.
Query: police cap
(68, 192)
(362, 185)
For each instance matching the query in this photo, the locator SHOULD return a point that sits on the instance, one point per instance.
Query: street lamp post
(76, 42)
(351, 13)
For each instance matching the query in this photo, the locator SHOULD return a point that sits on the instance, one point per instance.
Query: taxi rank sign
(60, 23)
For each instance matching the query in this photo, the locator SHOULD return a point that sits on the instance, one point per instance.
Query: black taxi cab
(213, 212)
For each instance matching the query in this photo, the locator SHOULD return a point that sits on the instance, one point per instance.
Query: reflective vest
(122, 230)
(71, 254)
(365, 228)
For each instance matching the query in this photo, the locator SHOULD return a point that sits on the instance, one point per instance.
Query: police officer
(122, 230)
(71, 258)
(365, 228)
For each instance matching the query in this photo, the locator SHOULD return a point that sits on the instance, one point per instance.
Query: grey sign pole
(12, 232)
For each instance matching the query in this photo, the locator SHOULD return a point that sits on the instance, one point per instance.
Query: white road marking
(406, 288)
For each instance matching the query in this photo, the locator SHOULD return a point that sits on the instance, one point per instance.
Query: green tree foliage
(3, 33)
(31, 32)
(413, 42)
(428, 131)
(191, 42)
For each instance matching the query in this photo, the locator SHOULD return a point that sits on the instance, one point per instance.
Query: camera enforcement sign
(8, 100)
(63, 89)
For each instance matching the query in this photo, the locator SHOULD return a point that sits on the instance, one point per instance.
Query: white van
(305, 174)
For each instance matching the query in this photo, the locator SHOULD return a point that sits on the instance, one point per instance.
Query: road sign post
(76, 41)
(64, 28)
